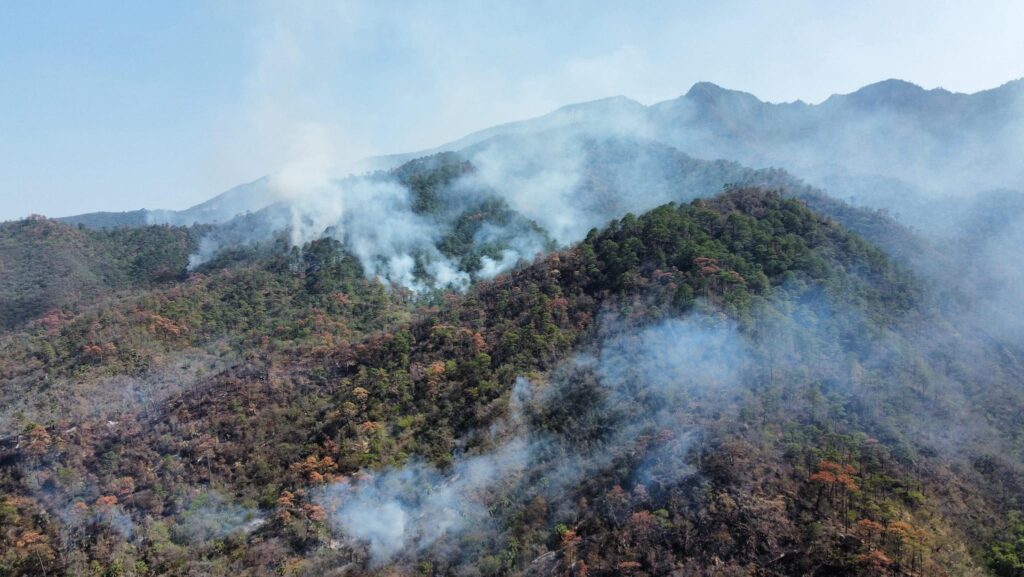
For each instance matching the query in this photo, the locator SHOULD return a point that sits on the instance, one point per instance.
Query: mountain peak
(887, 93)
(892, 87)
(704, 88)
(712, 95)
(712, 91)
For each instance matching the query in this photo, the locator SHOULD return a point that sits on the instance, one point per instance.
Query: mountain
(930, 126)
(248, 197)
(890, 145)
(567, 347)
(934, 141)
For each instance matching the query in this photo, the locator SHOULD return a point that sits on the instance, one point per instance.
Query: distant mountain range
(890, 145)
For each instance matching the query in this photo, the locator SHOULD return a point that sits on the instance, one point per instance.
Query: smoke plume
(661, 369)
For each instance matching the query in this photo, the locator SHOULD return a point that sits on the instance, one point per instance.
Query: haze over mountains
(933, 139)
(889, 145)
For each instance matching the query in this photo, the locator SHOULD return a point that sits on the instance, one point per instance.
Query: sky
(116, 106)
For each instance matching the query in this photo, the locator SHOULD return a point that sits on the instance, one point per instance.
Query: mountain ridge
(739, 115)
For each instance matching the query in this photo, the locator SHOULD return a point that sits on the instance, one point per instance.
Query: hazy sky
(163, 103)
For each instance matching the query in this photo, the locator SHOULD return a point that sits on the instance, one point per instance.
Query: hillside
(510, 197)
(736, 385)
(46, 266)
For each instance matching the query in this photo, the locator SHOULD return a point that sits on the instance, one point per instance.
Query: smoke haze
(669, 365)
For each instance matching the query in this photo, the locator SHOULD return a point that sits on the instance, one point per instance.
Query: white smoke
(413, 508)
(211, 516)
(417, 507)
(372, 217)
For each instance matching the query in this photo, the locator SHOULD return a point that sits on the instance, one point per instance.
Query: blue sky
(164, 103)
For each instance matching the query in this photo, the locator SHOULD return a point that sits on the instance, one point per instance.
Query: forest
(760, 381)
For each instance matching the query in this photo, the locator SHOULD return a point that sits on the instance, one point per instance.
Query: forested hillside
(734, 385)
(45, 265)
